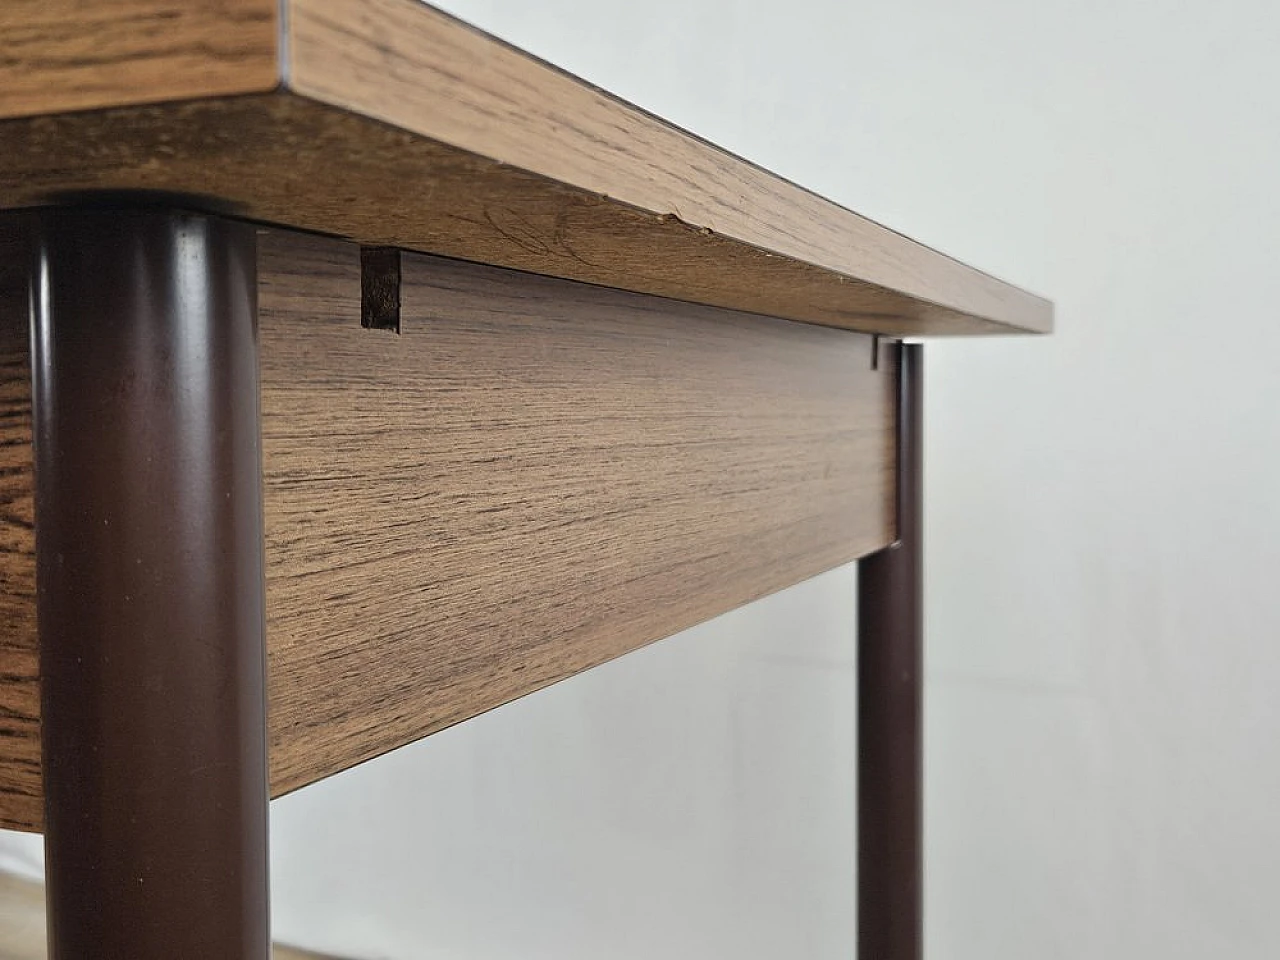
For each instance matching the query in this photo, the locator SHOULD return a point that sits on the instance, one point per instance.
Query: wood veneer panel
(61, 55)
(423, 71)
(20, 790)
(391, 123)
(536, 476)
(283, 159)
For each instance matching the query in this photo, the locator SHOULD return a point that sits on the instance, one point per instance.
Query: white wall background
(691, 801)
(1104, 672)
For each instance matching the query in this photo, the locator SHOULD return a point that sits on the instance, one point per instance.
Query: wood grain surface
(20, 791)
(63, 55)
(533, 477)
(393, 124)
(412, 66)
(282, 159)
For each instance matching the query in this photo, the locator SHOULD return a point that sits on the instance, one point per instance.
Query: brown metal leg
(890, 682)
(150, 583)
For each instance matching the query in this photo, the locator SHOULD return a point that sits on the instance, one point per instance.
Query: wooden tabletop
(389, 123)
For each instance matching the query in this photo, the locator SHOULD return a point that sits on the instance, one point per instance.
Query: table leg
(890, 683)
(150, 584)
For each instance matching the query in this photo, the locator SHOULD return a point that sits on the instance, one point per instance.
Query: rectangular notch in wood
(380, 288)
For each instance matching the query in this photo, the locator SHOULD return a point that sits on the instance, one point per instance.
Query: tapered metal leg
(890, 685)
(150, 583)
